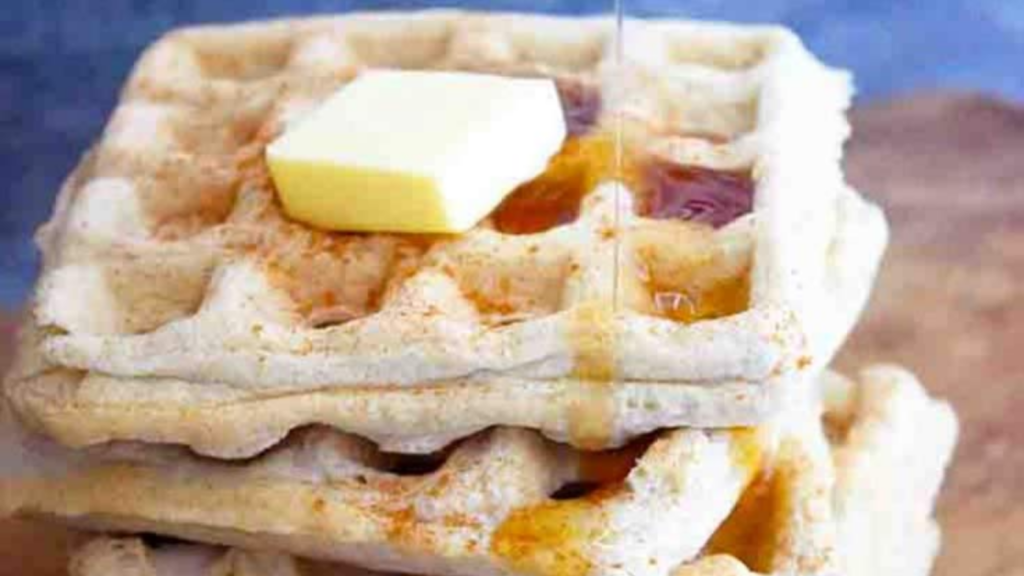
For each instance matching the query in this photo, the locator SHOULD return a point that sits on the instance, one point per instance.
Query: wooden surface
(950, 300)
(949, 304)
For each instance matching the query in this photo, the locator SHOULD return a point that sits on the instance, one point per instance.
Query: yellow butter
(406, 151)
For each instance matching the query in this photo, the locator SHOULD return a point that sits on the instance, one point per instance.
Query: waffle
(178, 305)
(850, 492)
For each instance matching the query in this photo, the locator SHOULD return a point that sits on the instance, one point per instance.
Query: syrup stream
(594, 331)
(619, 176)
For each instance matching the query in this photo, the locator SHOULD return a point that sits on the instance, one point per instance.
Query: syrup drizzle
(554, 537)
(593, 330)
(591, 400)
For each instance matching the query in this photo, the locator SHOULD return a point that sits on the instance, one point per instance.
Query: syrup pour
(593, 329)
(595, 326)
(554, 537)
(591, 401)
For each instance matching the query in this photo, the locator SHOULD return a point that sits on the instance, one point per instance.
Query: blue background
(61, 63)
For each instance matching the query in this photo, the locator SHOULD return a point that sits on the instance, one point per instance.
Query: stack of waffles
(620, 371)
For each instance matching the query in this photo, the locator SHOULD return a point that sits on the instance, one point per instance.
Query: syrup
(695, 194)
(554, 198)
(581, 106)
(690, 303)
(590, 391)
(587, 157)
(553, 538)
(755, 529)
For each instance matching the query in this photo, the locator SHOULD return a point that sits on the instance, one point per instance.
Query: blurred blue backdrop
(62, 61)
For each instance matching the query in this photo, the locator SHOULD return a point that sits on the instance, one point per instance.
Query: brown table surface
(950, 170)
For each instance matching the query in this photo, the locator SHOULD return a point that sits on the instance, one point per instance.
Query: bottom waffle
(849, 493)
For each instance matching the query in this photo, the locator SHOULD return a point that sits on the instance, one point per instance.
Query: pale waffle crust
(174, 304)
(848, 492)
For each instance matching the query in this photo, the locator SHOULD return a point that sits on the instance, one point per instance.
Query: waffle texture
(178, 305)
(814, 493)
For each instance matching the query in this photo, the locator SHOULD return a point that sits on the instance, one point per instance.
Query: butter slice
(405, 151)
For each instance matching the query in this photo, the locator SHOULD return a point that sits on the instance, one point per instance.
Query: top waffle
(172, 278)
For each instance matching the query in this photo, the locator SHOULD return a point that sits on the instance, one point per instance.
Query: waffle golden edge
(888, 442)
(174, 302)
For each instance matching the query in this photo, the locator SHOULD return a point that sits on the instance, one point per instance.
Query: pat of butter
(405, 151)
